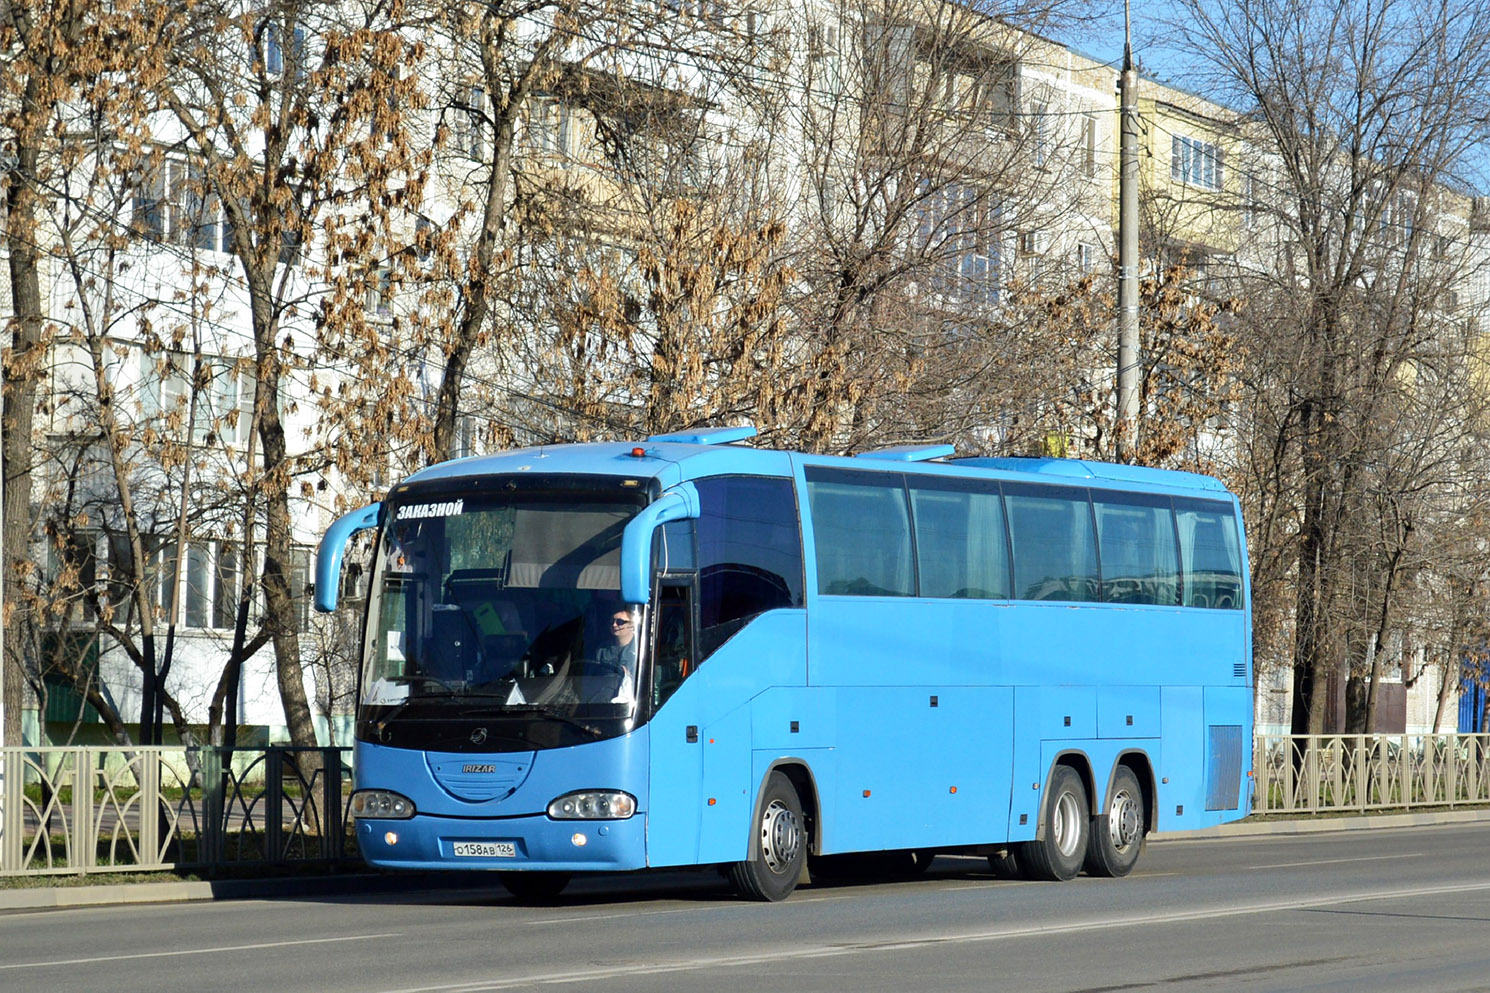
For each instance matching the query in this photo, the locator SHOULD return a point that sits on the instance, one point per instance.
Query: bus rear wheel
(780, 843)
(1117, 833)
(534, 887)
(1058, 854)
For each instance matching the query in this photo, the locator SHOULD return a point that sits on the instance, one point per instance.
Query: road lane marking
(778, 955)
(1362, 858)
(198, 951)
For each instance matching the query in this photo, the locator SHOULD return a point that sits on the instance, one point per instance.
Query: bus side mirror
(333, 546)
(677, 504)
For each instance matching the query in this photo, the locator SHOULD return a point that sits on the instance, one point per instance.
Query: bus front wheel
(780, 843)
(1058, 854)
(1117, 833)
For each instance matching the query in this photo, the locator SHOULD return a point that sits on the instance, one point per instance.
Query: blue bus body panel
(913, 775)
(748, 678)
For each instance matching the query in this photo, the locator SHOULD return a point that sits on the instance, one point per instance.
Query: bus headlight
(593, 805)
(382, 804)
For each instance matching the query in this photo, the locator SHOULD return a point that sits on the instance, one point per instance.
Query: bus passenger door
(677, 755)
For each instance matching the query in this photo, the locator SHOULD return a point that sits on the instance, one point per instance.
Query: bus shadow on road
(690, 886)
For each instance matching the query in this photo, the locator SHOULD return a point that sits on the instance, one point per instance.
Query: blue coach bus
(689, 652)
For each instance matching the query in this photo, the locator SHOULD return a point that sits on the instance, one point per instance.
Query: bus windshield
(500, 611)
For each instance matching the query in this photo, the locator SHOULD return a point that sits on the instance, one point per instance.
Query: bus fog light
(580, 841)
(382, 804)
(593, 805)
(391, 838)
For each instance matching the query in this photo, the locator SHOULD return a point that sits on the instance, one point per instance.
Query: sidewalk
(1259, 826)
(180, 891)
(176, 891)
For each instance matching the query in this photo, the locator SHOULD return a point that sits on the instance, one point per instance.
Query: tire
(780, 842)
(1007, 864)
(1057, 855)
(534, 887)
(1117, 833)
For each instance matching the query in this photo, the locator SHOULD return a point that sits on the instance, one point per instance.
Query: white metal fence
(1319, 774)
(114, 809)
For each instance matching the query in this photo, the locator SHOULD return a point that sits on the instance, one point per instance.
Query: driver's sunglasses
(620, 622)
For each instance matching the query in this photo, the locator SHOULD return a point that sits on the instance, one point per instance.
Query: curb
(51, 898)
(1323, 825)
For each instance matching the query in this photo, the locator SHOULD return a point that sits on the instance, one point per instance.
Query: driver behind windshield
(616, 659)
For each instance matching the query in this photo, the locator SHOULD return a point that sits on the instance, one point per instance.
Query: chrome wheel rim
(1124, 820)
(1065, 824)
(781, 837)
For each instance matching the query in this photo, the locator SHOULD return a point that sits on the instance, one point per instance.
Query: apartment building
(921, 157)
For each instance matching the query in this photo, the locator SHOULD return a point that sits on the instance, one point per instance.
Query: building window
(72, 569)
(549, 125)
(1089, 145)
(198, 586)
(380, 293)
(1195, 162)
(173, 203)
(1040, 132)
(468, 122)
(465, 437)
(1251, 205)
(300, 586)
(957, 233)
(225, 586)
(276, 54)
(224, 396)
(1086, 257)
(997, 93)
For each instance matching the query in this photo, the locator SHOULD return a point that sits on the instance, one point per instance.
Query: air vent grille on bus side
(1223, 774)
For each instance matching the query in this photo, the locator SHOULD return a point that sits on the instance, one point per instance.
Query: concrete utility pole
(1127, 359)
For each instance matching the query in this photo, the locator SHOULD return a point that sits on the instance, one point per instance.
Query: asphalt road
(1378, 910)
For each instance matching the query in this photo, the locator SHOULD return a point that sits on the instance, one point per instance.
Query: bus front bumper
(534, 843)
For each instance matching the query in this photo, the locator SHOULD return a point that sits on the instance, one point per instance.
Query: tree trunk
(278, 532)
(22, 376)
(1448, 676)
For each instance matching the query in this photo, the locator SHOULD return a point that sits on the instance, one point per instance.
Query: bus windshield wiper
(544, 710)
(445, 691)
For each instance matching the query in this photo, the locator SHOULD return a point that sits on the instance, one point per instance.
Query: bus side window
(1211, 554)
(673, 657)
(749, 554)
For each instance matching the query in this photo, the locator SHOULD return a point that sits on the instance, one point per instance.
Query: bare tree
(54, 58)
(943, 149)
(296, 112)
(1364, 117)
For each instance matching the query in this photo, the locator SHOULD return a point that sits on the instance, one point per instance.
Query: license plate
(485, 849)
